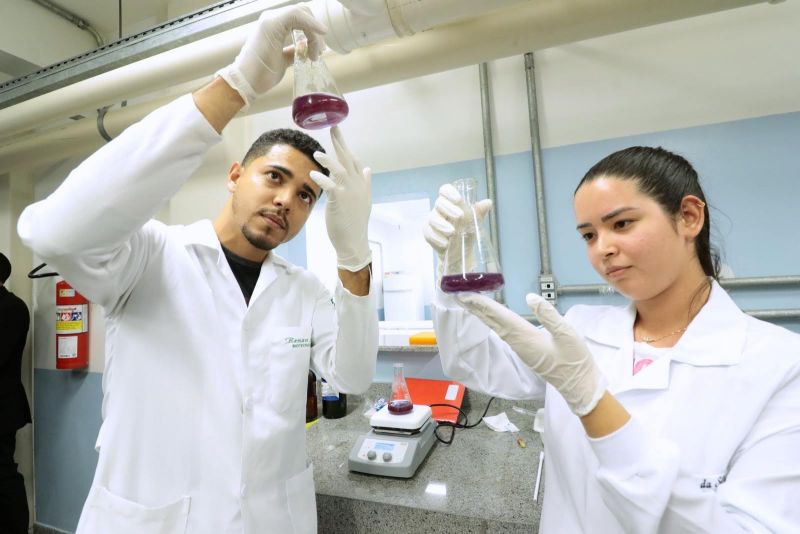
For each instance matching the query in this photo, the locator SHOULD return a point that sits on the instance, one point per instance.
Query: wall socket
(547, 288)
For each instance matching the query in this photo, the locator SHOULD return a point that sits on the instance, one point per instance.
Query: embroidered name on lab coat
(712, 484)
(297, 342)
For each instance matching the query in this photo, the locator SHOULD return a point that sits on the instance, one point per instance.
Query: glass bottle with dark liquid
(470, 263)
(400, 401)
(317, 101)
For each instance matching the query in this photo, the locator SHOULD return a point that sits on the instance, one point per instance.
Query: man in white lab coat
(210, 335)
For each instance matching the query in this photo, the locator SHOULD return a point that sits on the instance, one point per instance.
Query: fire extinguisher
(72, 328)
(72, 323)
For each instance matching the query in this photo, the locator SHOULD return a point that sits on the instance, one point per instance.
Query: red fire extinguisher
(72, 328)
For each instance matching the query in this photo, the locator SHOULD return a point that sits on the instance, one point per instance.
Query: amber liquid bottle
(311, 398)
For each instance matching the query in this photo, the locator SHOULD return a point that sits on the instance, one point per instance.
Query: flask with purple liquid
(317, 101)
(470, 263)
(400, 402)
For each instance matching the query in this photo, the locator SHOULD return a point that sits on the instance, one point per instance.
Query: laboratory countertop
(408, 348)
(482, 482)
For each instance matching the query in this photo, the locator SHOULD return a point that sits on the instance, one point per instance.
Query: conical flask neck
(468, 189)
(400, 402)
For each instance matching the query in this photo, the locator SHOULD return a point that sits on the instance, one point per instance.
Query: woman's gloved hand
(349, 190)
(560, 358)
(449, 215)
(263, 60)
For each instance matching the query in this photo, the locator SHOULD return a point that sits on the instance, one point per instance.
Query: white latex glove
(447, 218)
(349, 190)
(262, 61)
(561, 358)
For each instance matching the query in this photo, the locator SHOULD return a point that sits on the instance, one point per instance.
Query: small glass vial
(470, 263)
(400, 402)
(317, 101)
(334, 404)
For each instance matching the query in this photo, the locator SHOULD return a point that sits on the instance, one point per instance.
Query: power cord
(454, 426)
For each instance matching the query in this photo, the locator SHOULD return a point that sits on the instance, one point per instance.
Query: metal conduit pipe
(760, 281)
(536, 149)
(73, 18)
(765, 315)
(777, 314)
(488, 158)
(728, 283)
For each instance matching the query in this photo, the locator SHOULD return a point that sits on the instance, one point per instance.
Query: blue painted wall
(67, 420)
(749, 170)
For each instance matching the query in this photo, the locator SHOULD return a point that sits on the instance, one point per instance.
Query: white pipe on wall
(178, 65)
(357, 23)
(199, 58)
(529, 26)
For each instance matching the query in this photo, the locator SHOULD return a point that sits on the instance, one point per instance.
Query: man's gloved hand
(349, 190)
(561, 358)
(448, 216)
(262, 61)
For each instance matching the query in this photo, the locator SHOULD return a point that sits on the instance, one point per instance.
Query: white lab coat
(204, 397)
(714, 440)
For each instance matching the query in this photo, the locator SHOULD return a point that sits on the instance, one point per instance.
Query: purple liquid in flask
(313, 111)
(454, 283)
(400, 406)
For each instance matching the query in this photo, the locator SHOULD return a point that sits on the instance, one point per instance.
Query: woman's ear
(233, 175)
(693, 215)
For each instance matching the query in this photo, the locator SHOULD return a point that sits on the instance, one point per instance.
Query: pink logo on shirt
(641, 364)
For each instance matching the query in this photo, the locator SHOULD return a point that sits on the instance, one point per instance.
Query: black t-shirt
(245, 271)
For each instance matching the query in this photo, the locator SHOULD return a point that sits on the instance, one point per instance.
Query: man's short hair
(285, 136)
(5, 268)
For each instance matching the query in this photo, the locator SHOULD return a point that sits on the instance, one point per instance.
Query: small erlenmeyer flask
(317, 102)
(470, 263)
(400, 402)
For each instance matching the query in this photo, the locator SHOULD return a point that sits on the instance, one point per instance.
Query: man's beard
(257, 240)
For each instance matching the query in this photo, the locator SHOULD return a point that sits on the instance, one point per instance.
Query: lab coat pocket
(290, 348)
(302, 501)
(106, 512)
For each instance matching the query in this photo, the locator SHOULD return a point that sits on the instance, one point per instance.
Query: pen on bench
(538, 477)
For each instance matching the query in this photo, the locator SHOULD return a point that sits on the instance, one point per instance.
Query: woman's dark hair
(666, 178)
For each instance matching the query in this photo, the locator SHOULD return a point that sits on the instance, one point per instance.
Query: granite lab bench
(483, 482)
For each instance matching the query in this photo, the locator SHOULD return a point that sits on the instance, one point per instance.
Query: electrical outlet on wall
(548, 288)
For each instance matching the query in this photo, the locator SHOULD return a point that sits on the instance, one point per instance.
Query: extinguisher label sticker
(71, 319)
(67, 347)
(66, 293)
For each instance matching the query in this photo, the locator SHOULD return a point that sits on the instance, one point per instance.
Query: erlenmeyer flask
(317, 102)
(400, 402)
(470, 263)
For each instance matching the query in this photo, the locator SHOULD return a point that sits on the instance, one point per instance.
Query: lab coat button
(248, 404)
(371, 455)
(387, 456)
(244, 490)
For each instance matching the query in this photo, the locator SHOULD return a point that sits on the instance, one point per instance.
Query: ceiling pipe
(515, 30)
(202, 57)
(357, 23)
(73, 18)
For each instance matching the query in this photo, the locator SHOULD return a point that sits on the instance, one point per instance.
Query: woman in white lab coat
(677, 413)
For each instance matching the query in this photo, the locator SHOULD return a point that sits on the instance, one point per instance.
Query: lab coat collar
(202, 233)
(716, 336)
